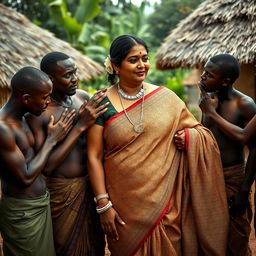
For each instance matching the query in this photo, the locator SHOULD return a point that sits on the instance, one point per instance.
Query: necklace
(130, 97)
(138, 128)
(67, 105)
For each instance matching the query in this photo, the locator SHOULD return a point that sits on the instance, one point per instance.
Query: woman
(152, 198)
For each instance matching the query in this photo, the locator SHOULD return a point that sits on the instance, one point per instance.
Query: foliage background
(91, 25)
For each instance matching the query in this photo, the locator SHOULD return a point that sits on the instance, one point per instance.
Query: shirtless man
(25, 221)
(76, 227)
(220, 72)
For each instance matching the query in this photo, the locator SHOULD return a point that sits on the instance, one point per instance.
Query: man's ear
(226, 81)
(26, 98)
(51, 78)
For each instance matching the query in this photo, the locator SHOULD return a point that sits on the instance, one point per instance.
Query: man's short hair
(28, 80)
(49, 61)
(228, 64)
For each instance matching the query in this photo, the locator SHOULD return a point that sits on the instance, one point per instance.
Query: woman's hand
(109, 219)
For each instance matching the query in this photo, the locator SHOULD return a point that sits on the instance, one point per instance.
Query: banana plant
(73, 23)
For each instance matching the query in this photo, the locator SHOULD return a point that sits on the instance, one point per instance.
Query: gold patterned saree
(173, 202)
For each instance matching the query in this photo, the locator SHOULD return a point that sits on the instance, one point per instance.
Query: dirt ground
(252, 236)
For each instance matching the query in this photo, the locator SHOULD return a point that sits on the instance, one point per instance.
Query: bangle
(104, 208)
(101, 196)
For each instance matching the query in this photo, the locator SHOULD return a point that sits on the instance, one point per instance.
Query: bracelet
(101, 196)
(104, 208)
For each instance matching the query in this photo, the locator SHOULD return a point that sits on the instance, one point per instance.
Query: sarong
(26, 226)
(76, 226)
(239, 227)
(173, 202)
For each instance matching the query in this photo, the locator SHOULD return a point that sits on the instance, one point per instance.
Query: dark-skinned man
(220, 72)
(76, 227)
(25, 221)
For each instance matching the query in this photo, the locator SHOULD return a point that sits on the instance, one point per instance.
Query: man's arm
(87, 115)
(208, 107)
(26, 172)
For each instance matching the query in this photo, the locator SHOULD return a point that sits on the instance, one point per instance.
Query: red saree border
(186, 139)
(152, 228)
(132, 106)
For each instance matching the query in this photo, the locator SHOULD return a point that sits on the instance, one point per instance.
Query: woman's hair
(119, 49)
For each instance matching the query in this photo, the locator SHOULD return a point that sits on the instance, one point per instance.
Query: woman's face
(135, 66)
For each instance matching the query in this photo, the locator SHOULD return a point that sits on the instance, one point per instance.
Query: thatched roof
(24, 44)
(216, 26)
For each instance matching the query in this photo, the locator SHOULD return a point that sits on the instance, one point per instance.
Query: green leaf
(87, 10)
(85, 34)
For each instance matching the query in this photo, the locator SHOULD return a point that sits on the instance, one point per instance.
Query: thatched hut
(216, 26)
(24, 44)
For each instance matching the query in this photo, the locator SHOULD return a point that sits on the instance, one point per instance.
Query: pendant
(138, 128)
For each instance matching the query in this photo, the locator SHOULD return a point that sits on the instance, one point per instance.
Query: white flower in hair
(108, 66)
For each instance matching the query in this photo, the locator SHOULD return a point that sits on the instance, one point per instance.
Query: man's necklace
(138, 128)
(68, 104)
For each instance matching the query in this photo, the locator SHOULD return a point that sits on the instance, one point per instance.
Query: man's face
(211, 79)
(39, 101)
(65, 79)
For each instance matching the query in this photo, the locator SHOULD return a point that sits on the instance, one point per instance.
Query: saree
(26, 226)
(239, 227)
(173, 202)
(76, 227)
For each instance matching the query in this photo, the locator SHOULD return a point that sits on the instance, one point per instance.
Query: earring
(117, 72)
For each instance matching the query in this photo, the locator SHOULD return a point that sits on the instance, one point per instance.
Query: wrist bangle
(104, 208)
(101, 196)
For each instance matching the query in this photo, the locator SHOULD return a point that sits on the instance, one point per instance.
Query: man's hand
(59, 130)
(89, 112)
(180, 140)
(208, 104)
(238, 204)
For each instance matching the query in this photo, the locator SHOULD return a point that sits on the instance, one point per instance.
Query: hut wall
(4, 95)
(246, 81)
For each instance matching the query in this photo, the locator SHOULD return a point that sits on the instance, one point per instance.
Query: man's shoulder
(244, 100)
(240, 96)
(4, 125)
(6, 132)
(246, 105)
(7, 123)
(81, 95)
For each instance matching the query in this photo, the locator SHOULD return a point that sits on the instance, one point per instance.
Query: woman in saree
(152, 198)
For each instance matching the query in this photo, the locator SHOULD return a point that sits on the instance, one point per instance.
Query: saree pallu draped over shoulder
(173, 203)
